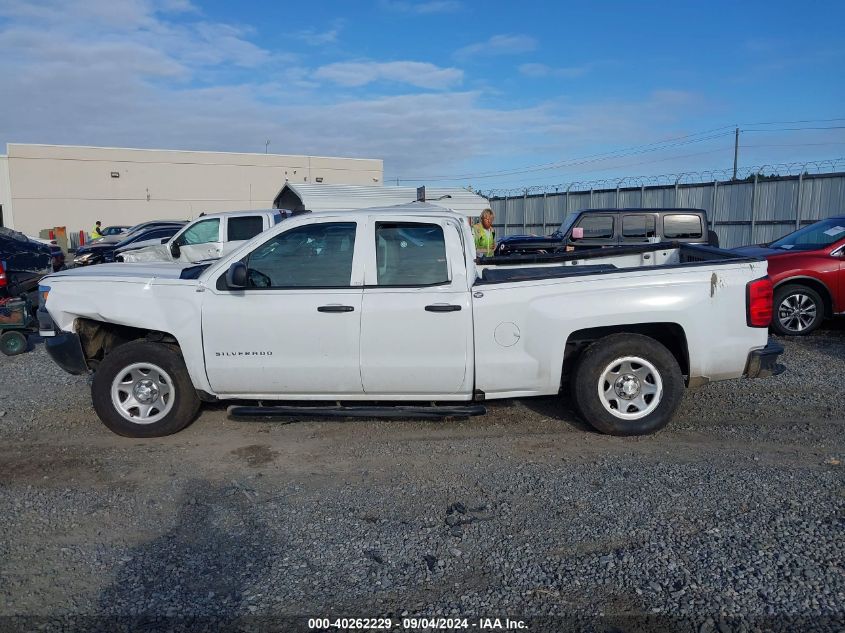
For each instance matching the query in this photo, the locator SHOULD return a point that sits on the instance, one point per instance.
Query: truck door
(199, 241)
(839, 282)
(416, 327)
(294, 331)
(239, 229)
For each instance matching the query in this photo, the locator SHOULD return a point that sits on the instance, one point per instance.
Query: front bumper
(65, 349)
(762, 363)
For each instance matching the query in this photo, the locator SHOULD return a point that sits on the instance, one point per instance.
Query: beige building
(43, 186)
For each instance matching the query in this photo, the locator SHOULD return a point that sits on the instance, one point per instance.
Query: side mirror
(175, 250)
(236, 276)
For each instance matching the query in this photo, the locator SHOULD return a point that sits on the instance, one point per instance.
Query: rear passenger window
(682, 227)
(597, 227)
(638, 227)
(245, 228)
(410, 254)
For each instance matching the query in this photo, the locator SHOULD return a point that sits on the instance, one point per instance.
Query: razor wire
(775, 170)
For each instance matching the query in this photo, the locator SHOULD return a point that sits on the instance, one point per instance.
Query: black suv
(600, 228)
(23, 262)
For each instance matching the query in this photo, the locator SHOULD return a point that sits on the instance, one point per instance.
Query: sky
(492, 95)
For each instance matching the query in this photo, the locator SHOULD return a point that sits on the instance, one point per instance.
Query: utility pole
(736, 150)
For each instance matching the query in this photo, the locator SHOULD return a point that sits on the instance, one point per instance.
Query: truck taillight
(3, 281)
(758, 300)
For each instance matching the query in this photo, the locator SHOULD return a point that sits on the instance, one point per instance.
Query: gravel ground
(730, 519)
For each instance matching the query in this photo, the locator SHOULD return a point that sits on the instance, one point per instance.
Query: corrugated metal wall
(741, 212)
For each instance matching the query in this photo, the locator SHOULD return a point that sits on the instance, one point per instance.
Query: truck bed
(507, 269)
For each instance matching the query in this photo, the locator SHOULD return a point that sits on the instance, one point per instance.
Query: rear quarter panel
(707, 301)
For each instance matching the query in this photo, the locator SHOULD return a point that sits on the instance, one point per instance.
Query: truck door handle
(335, 308)
(442, 307)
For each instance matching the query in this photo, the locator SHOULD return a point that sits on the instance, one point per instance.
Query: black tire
(13, 343)
(806, 300)
(599, 357)
(185, 402)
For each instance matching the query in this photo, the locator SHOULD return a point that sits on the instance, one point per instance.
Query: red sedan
(807, 268)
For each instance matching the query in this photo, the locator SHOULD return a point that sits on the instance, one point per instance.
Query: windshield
(567, 224)
(813, 237)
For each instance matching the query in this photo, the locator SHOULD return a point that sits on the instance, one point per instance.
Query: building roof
(325, 197)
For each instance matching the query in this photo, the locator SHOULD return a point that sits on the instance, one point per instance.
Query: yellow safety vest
(485, 240)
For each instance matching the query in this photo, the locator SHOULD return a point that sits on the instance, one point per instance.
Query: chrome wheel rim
(630, 388)
(142, 393)
(797, 312)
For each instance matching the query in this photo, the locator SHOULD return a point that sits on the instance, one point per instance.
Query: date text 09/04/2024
(416, 623)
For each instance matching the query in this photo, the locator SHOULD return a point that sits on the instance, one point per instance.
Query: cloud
(136, 25)
(544, 71)
(422, 8)
(135, 75)
(317, 38)
(498, 45)
(177, 6)
(419, 74)
(314, 37)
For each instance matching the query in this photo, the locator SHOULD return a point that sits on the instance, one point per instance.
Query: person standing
(95, 232)
(484, 235)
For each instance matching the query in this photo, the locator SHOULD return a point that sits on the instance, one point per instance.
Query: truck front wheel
(627, 384)
(142, 389)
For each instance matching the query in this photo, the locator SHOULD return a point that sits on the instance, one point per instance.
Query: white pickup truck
(210, 236)
(389, 306)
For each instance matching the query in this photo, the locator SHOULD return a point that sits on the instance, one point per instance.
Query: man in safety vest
(95, 232)
(484, 235)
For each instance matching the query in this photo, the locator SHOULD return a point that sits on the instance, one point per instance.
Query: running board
(389, 412)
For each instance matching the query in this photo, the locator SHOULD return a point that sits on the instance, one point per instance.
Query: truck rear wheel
(627, 384)
(142, 389)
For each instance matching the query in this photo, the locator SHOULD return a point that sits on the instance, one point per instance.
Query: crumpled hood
(153, 253)
(145, 271)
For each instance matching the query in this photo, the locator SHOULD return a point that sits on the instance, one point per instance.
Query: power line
(793, 129)
(795, 122)
(793, 144)
(647, 162)
(669, 143)
(662, 145)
